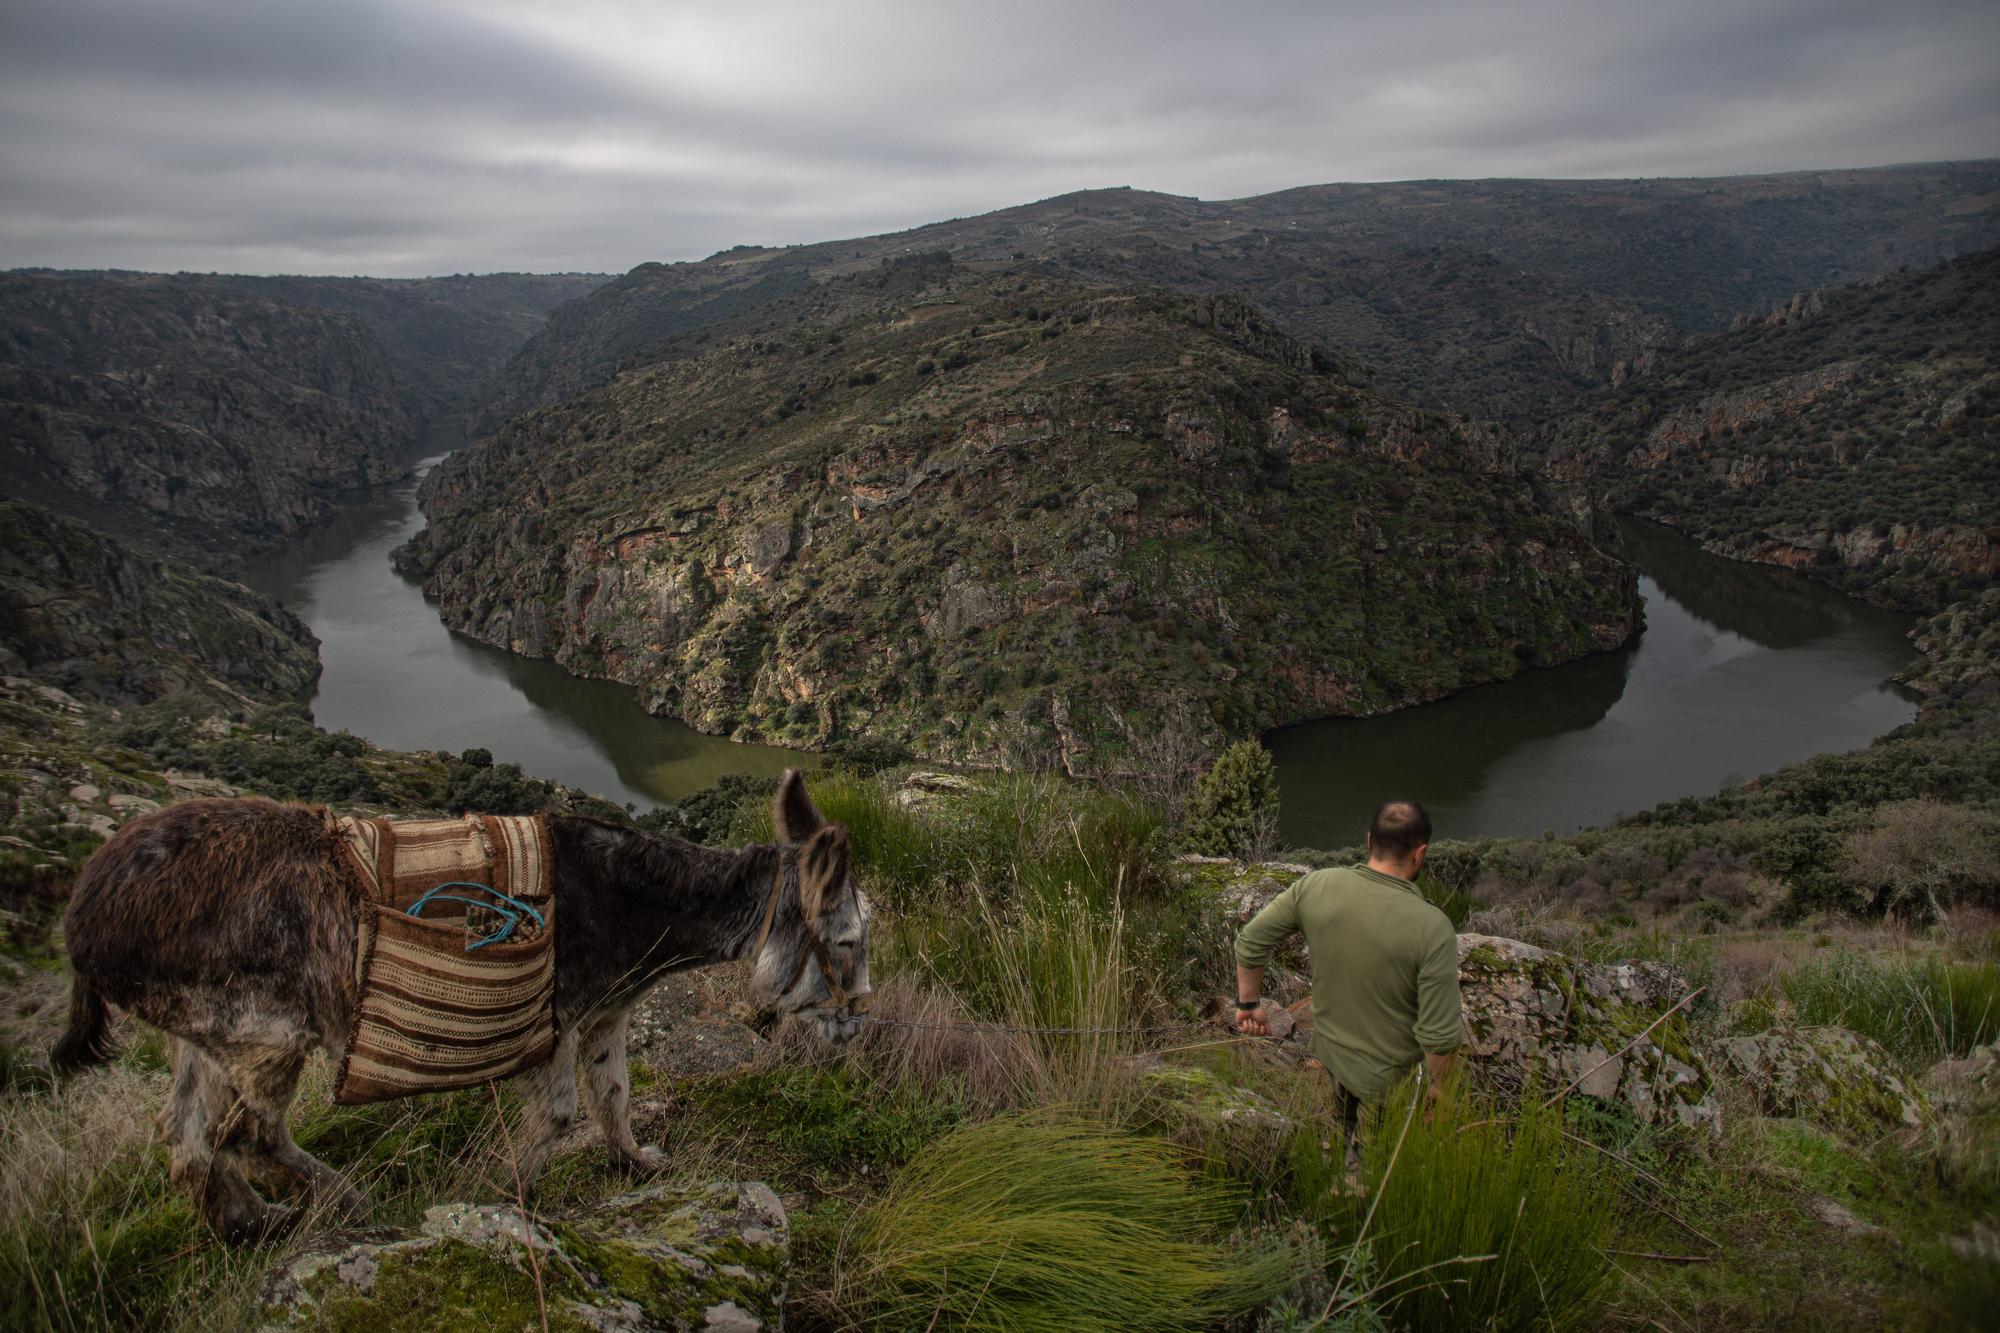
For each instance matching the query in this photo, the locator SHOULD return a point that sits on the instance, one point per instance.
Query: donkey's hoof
(348, 1204)
(257, 1226)
(645, 1162)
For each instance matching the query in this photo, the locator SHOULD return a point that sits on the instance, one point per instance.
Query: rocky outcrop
(88, 614)
(978, 519)
(192, 417)
(664, 1258)
(1964, 1094)
(1839, 1078)
(1536, 1019)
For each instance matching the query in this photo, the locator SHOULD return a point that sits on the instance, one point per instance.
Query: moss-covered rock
(663, 1258)
(1838, 1078)
(1965, 1099)
(1239, 1125)
(1533, 1016)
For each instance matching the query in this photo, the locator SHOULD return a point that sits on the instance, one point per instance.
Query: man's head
(1398, 837)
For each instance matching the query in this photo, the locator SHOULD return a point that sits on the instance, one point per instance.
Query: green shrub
(1235, 803)
(1921, 1009)
(1045, 1222)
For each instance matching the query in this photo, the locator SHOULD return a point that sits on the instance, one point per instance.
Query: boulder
(923, 789)
(663, 1258)
(1201, 1109)
(1534, 1017)
(1965, 1100)
(1840, 1079)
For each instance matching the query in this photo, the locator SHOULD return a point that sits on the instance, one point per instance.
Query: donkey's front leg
(607, 1085)
(548, 1106)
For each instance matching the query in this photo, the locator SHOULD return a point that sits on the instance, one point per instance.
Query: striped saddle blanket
(462, 991)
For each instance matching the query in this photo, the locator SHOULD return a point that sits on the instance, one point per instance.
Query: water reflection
(1740, 669)
(1772, 607)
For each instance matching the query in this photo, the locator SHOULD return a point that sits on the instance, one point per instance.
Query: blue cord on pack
(500, 906)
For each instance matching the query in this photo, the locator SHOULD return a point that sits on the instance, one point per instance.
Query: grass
(1922, 1008)
(1047, 1222)
(1477, 1218)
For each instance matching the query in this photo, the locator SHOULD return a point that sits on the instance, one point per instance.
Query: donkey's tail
(88, 1040)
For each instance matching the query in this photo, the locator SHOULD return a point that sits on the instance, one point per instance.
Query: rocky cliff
(85, 613)
(969, 510)
(1853, 433)
(195, 419)
(1495, 298)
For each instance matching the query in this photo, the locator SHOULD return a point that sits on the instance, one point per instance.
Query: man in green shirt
(1384, 967)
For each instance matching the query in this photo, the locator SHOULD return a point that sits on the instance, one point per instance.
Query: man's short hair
(1398, 829)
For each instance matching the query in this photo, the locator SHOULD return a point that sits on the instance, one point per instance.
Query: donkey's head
(815, 955)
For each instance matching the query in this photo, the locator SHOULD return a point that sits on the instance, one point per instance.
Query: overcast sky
(441, 136)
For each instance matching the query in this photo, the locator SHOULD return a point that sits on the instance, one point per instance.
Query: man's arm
(1439, 1030)
(1254, 943)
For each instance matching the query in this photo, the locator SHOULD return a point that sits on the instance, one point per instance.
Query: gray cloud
(452, 135)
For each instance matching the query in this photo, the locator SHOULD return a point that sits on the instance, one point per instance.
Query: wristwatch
(1250, 1004)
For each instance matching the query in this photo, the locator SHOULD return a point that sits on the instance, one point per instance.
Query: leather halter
(835, 990)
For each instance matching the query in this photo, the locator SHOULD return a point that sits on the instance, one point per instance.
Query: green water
(396, 676)
(1740, 669)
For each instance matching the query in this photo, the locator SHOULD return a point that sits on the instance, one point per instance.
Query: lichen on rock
(662, 1258)
(1534, 1016)
(1841, 1079)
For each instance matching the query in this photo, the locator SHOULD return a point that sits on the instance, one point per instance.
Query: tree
(1235, 805)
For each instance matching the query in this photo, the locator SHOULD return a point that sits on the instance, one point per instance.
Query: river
(1740, 669)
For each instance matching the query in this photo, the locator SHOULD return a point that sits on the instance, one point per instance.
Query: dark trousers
(1347, 1113)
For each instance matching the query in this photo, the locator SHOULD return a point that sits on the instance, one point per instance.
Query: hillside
(1852, 432)
(1493, 298)
(88, 615)
(966, 511)
(441, 336)
(186, 415)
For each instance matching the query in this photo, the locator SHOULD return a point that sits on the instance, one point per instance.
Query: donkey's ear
(822, 870)
(794, 818)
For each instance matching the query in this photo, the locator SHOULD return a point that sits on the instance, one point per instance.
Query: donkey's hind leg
(607, 1086)
(265, 1079)
(196, 1126)
(548, 1106)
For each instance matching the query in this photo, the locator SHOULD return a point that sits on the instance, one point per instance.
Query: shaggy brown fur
(230, 925)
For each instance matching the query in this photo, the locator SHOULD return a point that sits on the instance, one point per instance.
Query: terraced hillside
(969, 510)
(1494, 298)
(1853, 433)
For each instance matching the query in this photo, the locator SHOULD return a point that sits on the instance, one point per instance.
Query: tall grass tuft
(1060, 963)
(1043, 1222)
(1481, 1220)
(1026, 834)
(1921, 1009)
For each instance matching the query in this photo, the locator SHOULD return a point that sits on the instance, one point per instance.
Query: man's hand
(1252, 1022)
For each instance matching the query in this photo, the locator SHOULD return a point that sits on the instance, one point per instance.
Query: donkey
(230, 925)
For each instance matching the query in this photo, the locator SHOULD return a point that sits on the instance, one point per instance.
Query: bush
(1922, 858)
(1235, 803)
(1044, 1222)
